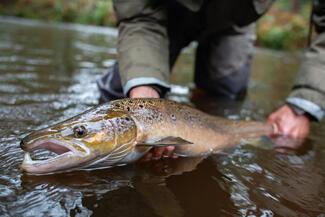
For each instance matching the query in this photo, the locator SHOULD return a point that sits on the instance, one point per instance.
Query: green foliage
(99, 12)
(284, 28)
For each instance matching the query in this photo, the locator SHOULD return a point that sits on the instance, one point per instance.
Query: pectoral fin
(167, 141)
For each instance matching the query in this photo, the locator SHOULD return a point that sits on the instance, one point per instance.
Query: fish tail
(257, 134)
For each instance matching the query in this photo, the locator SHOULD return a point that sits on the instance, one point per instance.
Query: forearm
(309, 89)
(142, 44)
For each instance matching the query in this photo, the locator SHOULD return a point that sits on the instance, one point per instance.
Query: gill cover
(125, 135)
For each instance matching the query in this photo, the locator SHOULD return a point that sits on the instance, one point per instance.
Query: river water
(48, 73)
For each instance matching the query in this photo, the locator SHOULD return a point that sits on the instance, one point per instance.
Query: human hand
(155, 153)
(160, 152)
(287, 123)
(143, 92)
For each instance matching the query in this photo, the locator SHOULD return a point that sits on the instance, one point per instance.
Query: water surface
(48, 73)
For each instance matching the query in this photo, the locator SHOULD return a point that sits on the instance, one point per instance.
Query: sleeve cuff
(311, 108)
(134, 82)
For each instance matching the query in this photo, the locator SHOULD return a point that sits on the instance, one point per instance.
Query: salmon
(122, 131)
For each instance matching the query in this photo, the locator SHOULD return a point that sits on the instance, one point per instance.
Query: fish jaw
(68, 158)
(64, 162)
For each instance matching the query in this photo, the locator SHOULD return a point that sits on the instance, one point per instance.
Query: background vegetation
(95, 12)
(285, 26)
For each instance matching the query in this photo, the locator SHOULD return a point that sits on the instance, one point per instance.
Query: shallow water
(48, 73)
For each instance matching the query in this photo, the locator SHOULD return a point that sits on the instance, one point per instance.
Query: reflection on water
(48, 73)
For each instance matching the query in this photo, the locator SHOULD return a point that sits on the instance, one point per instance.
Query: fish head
(83, 141)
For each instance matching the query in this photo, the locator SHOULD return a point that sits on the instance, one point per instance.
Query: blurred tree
(285, 26)
(98, 12)
(295, 6)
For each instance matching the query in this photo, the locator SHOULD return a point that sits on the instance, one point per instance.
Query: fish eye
(79, 131)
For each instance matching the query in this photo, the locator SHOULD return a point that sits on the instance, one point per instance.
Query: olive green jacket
(143, 53)
(143, 44)
(308, 92)
(310, 82)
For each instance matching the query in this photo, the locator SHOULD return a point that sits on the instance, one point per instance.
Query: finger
(174, 156)
(294, 133)
(274, 122)
(158, 152)
(271, 118)
(282, 128)
(168, 152)
(275, 129)
(299, 133)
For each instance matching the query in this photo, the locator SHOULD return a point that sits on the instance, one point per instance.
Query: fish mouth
(68, 157)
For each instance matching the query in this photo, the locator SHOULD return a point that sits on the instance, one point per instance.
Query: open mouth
(51, 146)
(58, 155)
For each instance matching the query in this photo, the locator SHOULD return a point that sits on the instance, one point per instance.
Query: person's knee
(223, 64)
(231, 86)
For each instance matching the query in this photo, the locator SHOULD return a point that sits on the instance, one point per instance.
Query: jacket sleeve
(309, 89)
(143, 54)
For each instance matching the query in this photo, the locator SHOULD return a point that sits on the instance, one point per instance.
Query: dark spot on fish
(127, 119)
(118, 105)
(141, 106)
(128, 108)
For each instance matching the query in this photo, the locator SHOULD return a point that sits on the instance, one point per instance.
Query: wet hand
(143, 92)
(156, 153)
(159, 153)
(287, 123)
